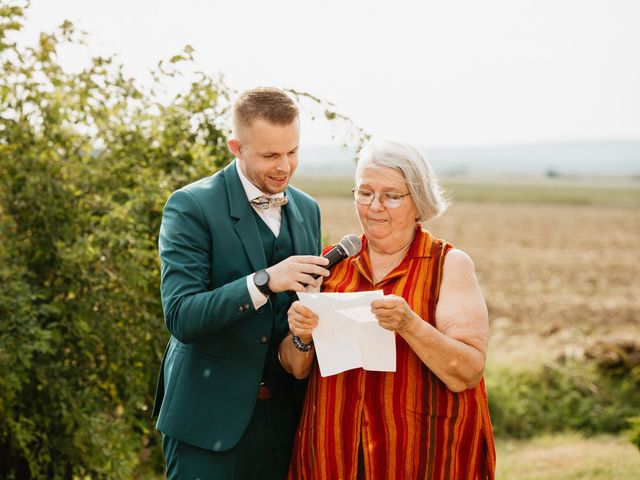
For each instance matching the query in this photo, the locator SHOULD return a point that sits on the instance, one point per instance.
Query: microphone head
(351, 244)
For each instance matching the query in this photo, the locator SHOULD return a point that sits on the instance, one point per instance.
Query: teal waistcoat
(276, 249)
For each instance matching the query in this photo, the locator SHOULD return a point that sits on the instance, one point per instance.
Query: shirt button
(263, 339)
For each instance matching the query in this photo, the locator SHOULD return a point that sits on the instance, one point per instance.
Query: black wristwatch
(261, 280)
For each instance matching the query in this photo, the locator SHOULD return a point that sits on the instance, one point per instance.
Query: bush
(87, 160)
(634, 430)
(570, 396)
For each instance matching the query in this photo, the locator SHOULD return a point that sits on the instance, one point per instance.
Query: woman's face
(379, 222)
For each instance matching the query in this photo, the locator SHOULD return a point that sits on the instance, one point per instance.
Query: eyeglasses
(388, 199)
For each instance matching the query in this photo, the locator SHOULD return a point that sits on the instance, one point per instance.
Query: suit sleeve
(191, 309)
(319, 250)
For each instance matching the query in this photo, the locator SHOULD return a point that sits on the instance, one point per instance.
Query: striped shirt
(402, 425)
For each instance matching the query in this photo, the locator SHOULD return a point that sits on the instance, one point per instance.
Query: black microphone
(347, 247)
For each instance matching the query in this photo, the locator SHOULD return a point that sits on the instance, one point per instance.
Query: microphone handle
(335, 255)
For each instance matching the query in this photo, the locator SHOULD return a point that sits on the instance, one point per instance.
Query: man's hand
(294, 273)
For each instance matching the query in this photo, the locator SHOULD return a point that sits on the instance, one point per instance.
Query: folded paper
(348, 334)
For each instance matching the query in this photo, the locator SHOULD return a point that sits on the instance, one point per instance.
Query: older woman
(430, 418)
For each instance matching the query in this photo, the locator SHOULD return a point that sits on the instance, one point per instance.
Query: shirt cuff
(257, 297)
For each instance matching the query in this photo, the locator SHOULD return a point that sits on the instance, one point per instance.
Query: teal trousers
(263, 452)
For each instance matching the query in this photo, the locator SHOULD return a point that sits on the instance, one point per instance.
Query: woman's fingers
(301, 320)
(392, 312)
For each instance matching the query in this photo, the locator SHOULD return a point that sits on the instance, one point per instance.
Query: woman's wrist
(304, 338)
(409, 325)
(303, 343)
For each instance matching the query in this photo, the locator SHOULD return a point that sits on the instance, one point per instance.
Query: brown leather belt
(264, 393)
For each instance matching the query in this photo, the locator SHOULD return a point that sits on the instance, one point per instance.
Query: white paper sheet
(348, 335)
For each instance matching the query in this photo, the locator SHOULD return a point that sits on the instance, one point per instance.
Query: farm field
(521, 189)
(559, 276)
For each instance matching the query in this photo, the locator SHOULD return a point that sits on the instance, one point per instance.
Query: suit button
(263, 339)
(241, 308)
(246, 306)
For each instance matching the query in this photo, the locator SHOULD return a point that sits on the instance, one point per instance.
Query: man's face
(267, 153)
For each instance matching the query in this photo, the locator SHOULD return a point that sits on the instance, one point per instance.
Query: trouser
(263, 452)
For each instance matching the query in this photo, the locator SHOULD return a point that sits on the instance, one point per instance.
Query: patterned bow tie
(263, 202)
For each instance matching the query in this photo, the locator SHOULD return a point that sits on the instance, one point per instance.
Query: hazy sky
(435, 73)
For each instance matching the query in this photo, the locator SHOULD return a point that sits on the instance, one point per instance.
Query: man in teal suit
(234, 246)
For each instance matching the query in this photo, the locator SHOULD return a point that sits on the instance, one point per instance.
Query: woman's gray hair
(422, 183)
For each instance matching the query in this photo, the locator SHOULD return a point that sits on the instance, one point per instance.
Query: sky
(433, 73)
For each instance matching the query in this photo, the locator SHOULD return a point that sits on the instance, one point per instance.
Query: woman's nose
(377, 204)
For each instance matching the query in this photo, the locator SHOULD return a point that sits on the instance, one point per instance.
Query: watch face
(261, 278)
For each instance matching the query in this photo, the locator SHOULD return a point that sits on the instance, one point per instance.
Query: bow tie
(263, 202)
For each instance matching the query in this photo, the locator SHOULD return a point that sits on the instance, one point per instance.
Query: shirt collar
(250, 189)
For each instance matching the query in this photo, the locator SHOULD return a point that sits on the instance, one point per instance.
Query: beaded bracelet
(300, 345)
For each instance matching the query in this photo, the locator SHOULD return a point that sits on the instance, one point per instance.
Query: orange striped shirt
(402, 425)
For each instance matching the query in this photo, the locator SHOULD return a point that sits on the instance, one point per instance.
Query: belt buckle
(264, 392)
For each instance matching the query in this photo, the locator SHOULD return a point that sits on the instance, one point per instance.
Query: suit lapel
(245, 226)
(296, 225)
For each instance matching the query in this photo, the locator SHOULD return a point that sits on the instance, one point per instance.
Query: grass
(556, 457)
(547, 191)
(567, 457)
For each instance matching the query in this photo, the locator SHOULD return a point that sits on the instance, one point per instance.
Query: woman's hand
(393, 313)
(302, 321)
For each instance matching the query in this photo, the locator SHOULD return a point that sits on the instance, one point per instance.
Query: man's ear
(235, 147)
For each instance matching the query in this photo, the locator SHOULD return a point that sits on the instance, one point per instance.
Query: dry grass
(556, 277)
(568, 458)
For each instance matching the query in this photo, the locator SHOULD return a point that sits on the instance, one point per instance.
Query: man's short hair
(267, 103)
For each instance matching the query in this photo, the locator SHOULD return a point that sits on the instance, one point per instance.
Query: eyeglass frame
(380, 196)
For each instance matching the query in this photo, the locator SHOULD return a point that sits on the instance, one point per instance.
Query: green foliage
(350, 134)
(634, 430)
(561, 397)
(87, 160)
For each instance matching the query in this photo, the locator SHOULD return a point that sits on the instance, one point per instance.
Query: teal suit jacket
(213, 364)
